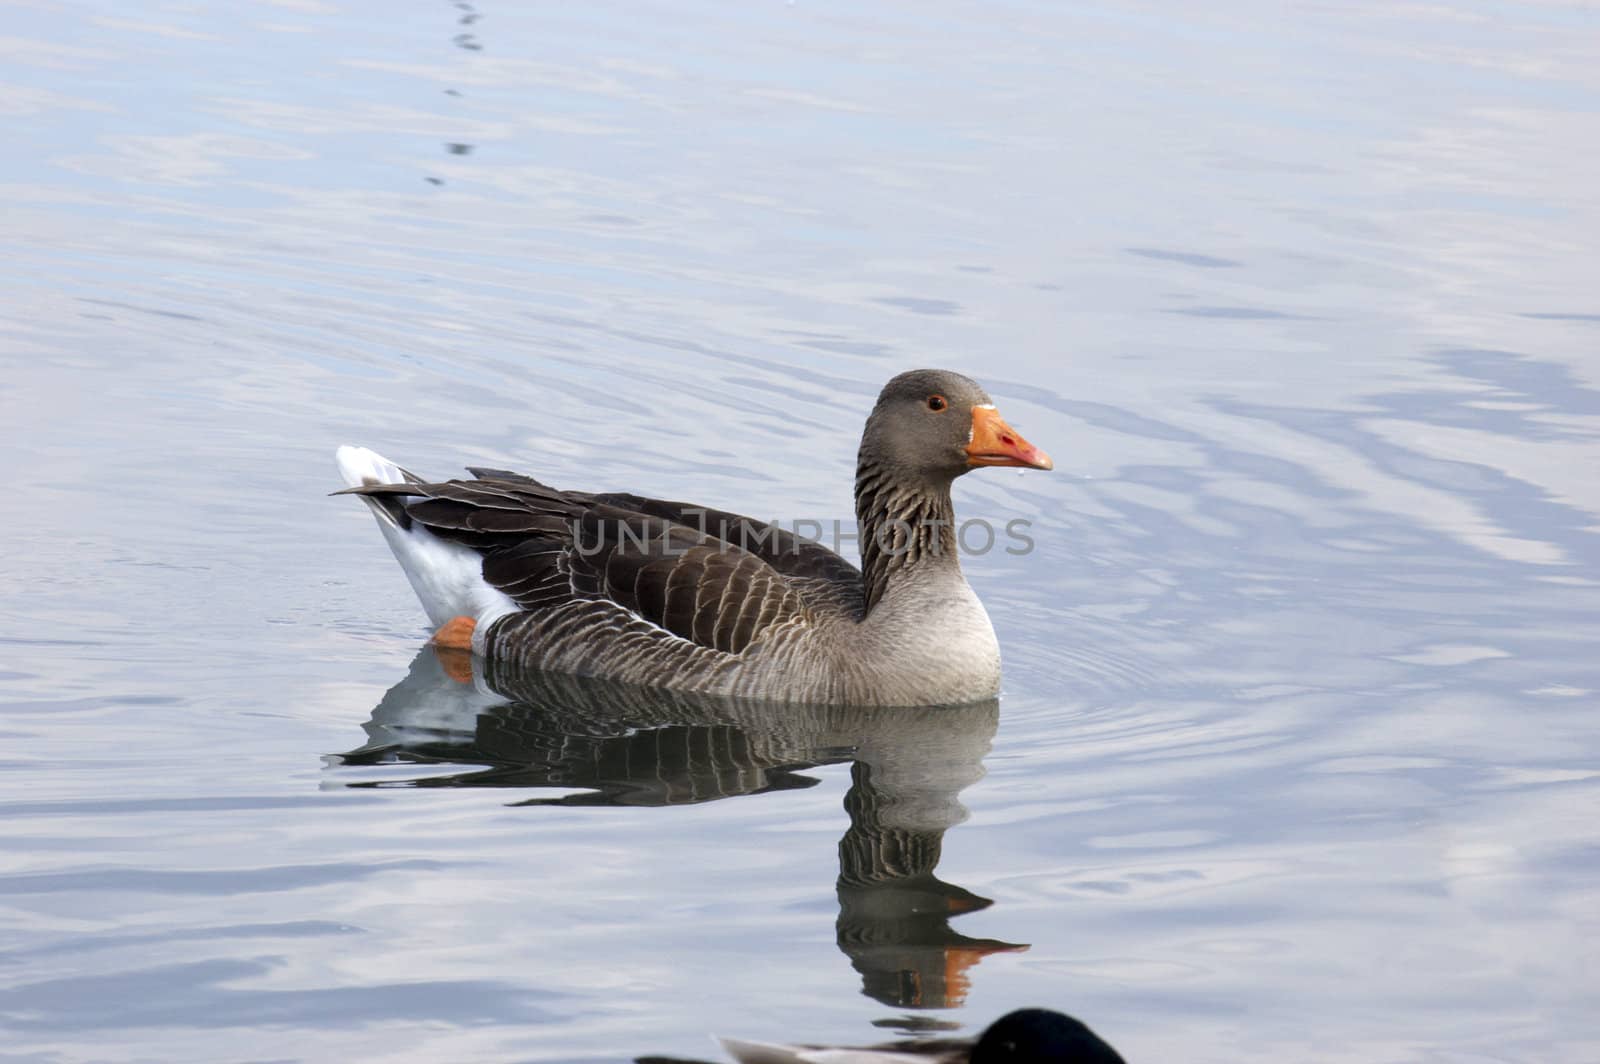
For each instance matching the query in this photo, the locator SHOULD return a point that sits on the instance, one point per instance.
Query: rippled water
(1297, 755)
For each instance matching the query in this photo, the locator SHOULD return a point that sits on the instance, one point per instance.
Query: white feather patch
(359, 466)
(447, 577)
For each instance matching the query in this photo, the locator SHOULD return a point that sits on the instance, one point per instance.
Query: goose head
(930, 426)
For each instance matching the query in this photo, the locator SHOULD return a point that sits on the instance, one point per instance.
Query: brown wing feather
(786, 552)
(545, 548)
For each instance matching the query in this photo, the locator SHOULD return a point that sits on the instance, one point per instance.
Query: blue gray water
(1297, 756)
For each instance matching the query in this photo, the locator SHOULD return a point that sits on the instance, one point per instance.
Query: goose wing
(545, 548)
(826, 580)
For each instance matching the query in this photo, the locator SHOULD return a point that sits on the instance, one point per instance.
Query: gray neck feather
(905, 528)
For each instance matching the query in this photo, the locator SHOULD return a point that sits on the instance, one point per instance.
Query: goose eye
(937, 402)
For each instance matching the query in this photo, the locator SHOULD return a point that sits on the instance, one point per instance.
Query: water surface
(1296, 756)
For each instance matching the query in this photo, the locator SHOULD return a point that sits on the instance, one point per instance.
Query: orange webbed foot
(455, 634)
(452, 643)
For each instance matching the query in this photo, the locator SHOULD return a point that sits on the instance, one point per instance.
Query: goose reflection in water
(620, 745)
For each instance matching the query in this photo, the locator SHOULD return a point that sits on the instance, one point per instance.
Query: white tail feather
(447, 577)
(359, 465)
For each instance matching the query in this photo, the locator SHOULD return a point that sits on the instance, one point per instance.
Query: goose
(1025, 1036)
(690, 598)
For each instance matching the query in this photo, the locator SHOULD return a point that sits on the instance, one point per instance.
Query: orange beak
(994, 443)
